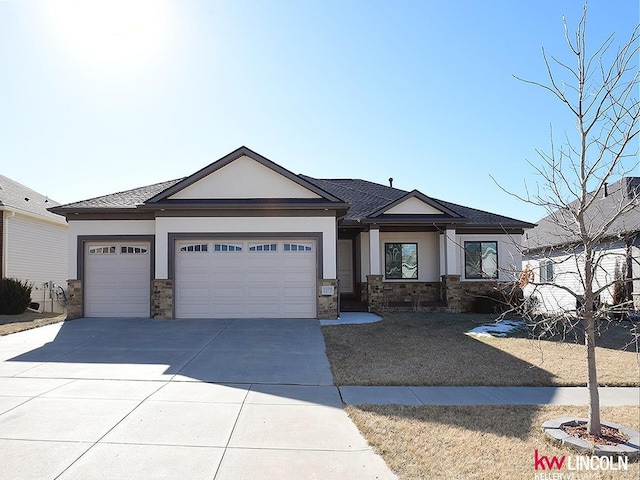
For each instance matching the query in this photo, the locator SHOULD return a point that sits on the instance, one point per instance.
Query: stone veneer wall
(411, 292)
(328, 304)
(460, 295)
(162, 299)
(361, 289)
(457, 295)
(74, 299)
(375, 293)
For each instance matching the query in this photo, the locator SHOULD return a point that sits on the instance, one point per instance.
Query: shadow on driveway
(262, 352)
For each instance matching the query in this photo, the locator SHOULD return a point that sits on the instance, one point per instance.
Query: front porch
(448, 296)
(435, 274)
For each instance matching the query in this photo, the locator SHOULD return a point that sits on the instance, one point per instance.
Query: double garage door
(245, 279)
(212, 279)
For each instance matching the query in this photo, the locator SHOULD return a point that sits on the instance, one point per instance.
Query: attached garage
(245, 278)
(241, 238)
(117, 279)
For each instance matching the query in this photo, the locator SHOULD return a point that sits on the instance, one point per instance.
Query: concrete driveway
(185, 399)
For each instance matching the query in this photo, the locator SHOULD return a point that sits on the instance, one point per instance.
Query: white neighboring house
(33, 243)
(554, 256)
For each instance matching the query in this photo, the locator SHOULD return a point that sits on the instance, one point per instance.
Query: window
(126, 249)
(546, 270)
(102, 250)
(267, 247)
(197, 247)
(227, 247)
(400, 261)
(480, 260)
(297, 247)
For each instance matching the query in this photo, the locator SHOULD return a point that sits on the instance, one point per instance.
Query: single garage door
(117, 279)
(245, 279)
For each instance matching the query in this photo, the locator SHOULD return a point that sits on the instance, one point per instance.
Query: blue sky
(99, 97)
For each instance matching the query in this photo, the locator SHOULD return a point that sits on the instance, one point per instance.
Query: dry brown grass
(28, 320)
(432, 349)
(474, 442)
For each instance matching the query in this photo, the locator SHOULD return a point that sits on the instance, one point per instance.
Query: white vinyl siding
(36, 251)
(567, 272)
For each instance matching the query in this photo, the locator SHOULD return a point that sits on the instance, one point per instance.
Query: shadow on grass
(426, 350)
(621, 335)
(510, 421)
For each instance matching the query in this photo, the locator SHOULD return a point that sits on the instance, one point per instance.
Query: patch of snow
(499, 329)
(352, 318)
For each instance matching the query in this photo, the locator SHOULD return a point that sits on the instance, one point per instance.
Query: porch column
(451, 249)
(374, 251)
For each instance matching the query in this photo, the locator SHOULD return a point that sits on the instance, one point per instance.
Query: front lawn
(495, 442)
(433, 349)
(28, 320)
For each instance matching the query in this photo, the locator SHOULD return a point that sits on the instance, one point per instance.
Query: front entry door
(345, 266)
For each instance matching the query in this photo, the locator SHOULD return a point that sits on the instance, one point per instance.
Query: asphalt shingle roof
(559, 227)
(364, 198)
(367, 197)
(16, 196)
(127, 199)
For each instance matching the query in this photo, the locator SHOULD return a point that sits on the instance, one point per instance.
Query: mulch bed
(609, 435)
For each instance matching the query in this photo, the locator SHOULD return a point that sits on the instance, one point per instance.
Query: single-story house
(245, 237)
(555, 255)
(33, 244)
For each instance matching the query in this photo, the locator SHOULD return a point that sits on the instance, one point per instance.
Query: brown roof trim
(414, 220)
(252, 203)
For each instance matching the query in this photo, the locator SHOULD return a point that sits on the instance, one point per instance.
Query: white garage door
(245, 279)
(117, 279)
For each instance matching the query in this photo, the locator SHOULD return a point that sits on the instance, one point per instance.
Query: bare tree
(599, 91)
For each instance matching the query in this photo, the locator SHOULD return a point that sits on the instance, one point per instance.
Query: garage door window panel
(263, 247)
(133, 250)
(102, 250)
(298, 247)
(192, 248)
(227, 247)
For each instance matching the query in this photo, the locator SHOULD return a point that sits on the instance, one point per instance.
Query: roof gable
(413, 206)
(415, 203)
(243, 175)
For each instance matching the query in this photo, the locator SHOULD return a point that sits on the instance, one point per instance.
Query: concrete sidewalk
(609, 396)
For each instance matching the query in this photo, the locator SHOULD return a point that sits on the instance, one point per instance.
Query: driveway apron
(182, 399)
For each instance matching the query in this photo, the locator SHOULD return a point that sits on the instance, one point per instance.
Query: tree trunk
(592, 378)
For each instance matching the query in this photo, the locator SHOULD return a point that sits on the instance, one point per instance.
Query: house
(244, 237)
(33, 244)
(555, 254)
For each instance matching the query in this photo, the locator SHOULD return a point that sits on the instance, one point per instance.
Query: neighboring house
(555, 255)
(244, 237)
(33, 243)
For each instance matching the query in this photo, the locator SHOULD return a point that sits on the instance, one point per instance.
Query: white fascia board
(16, 211)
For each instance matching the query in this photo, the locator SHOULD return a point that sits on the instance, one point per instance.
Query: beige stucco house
(245, 237)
